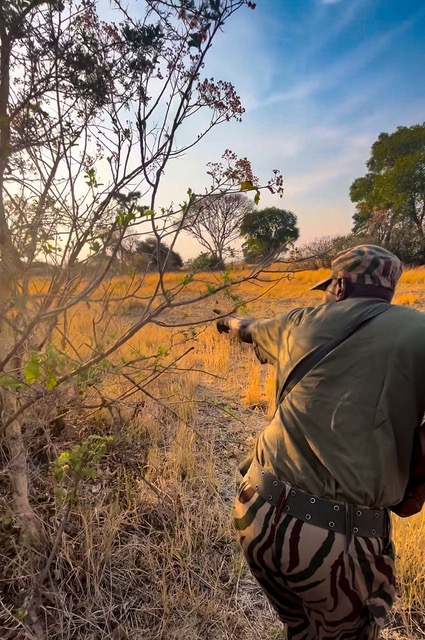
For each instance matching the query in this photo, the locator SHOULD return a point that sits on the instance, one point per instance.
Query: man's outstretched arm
(241, 326)
(263, 334)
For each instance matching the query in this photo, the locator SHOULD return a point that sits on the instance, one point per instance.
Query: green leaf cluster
(247, 185)
(45, 366)
(95, 246)
(90, 177)
(235, 298)
(161, 351)
(125, 217)
(80, 462)
(7, 381)
(186, 280)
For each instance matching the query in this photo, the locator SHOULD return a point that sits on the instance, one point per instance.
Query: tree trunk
(218, 260)
(31, 529)
(9, 274)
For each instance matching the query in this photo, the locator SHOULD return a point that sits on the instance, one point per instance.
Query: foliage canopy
(390, 198)
(268, 231)
(159, 254)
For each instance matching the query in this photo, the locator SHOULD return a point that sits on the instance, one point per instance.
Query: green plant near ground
(80, 463)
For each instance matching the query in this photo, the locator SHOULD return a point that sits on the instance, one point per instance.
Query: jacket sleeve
(267, 334)
(265, 338)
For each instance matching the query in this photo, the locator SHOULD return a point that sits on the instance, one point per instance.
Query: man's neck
(370, 291)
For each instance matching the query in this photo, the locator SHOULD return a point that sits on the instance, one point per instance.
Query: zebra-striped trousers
(319, 588)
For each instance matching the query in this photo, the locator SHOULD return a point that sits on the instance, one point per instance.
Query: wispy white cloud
(330, 29)
(347, 66)
(327, 171)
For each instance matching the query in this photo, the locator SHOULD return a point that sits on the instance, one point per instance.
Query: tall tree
(89, 116)
(392, 194)
(159, 254)
(268, 232)
(215, 222)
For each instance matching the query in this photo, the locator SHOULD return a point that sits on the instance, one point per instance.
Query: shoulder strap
(313, 358)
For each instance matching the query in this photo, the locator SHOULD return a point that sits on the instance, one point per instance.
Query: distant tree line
(390, 211)
(216, 222)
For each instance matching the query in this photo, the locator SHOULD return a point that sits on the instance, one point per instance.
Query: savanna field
(148, 551)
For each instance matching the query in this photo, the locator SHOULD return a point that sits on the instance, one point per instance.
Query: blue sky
(320, 79)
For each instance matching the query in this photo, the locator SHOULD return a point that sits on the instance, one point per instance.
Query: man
(311, 511)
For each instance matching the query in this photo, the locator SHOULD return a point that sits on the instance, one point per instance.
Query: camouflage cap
(365, 264)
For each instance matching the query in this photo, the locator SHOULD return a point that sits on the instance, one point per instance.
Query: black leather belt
(327, 514)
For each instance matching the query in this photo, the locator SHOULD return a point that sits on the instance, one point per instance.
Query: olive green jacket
(345, 431)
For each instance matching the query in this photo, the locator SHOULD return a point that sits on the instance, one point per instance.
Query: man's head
(363, 271)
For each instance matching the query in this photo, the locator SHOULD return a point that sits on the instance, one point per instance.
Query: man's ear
(341, 292)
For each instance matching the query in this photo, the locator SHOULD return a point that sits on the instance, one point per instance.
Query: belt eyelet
(293, 493)
(307, 516)
(256, 486)
(359, 513)
(287, 507)
(373, 531)
(275, 483)
(331, 524)
(312, 500)
(355, 530)
(270, 498)
(262, 473)
(336, 507)
(376, 515)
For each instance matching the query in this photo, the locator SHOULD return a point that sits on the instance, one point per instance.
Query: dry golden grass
(250, 384)
(254, 385)
(409, 539)
(407, 299)
(150, 549)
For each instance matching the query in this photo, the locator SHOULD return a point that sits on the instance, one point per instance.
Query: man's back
(345, 432)
(341, 437)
